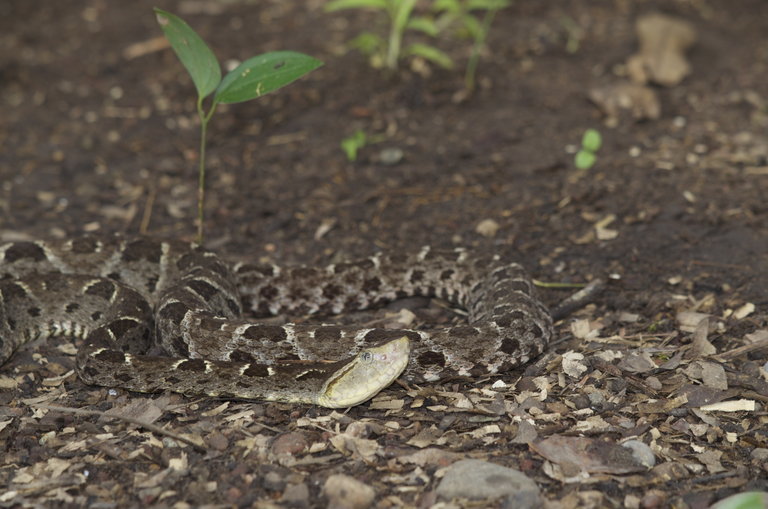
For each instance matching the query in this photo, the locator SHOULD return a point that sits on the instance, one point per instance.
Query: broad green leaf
(746, 500)
(445, 19)
(591, 140)
(424, 24)
(584, 159)
(263, 74)
(446, 5)
(337, 5)
(403, 12)
(430, 53)
(487, 4)
(195, 55)
(472, 25)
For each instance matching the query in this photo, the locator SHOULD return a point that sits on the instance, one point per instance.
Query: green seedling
(400, 17)
(474, 26)
(253, 78)
(352, 143)
(357, 140)
(590, 143)
(574, 34)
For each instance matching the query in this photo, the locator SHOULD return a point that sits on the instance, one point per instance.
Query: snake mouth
(365, 375)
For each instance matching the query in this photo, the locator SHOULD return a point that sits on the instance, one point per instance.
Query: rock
(641, 452)
(345, 492)
(290, 443)
(487, 228)
(663, 43)
(391, 156)
(640, 101)
(476, 479)
(296, 495)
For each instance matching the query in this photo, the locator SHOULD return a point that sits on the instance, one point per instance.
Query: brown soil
(95, 140)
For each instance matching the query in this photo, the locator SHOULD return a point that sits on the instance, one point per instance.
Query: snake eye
(366, 356)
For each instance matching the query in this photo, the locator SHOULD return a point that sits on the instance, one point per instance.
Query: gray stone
(345, 492)
(641, 452)
(391, 156)
(759, 454)
(476, 479)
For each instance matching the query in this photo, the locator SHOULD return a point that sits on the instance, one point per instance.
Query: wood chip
(741, 405)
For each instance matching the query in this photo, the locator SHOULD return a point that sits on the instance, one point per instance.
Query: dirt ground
(98, 133)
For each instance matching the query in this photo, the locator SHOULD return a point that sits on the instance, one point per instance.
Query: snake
(153, 315)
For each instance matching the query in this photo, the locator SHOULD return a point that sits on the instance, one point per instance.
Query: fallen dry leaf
(588, 455)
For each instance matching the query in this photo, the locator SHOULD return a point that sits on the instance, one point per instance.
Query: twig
(149, 426)
(578, 299)
(742, 350)
(144, 227)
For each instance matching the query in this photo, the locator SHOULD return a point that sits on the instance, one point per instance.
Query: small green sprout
(357, 140)
(388, 52)
(574, 34)
(590, 143)
(461, 12)
(352, 143)
(251, 79)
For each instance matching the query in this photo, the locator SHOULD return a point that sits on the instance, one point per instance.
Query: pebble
(274, 481)
(641, 452)
(391, 156)
(216, 440)
(477, 479)
(296, 495)
(290, 443)
(759, 454)
(345, 492)
(487, 228)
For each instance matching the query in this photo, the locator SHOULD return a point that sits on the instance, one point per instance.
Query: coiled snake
(126, 298)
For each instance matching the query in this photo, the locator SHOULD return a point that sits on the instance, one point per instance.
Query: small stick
(741, 350)
(578, 299)
(144, 226)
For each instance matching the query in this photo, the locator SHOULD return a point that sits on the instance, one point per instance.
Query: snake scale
(168, 315)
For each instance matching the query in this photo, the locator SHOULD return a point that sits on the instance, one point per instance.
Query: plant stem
(469, 76)
(204, 118)
(393, 47)
(399, 14)
(201, 184)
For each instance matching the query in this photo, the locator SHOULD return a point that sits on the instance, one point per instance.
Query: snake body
(129, 299)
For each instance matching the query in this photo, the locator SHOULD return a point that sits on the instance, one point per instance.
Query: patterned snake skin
(130, 298)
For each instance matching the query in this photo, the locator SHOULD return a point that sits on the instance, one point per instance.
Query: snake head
(365, 374)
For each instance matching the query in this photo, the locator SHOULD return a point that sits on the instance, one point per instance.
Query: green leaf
(446, 5)
(351, 144)
(487, 5)
(337, 5)
(472, 25)
(424, 24)
(402, 13)
(195, 55)
(747, 500)
(430, 53)
(367, 42)
(584, 159)
(263, 74)
(591, 140)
